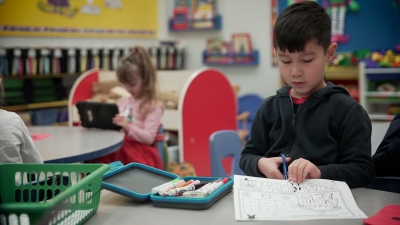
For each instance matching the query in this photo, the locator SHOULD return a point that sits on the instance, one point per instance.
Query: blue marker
(285, 175)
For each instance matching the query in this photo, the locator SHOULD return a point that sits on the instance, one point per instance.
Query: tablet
(97, 115)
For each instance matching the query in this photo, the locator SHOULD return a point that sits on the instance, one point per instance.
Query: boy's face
(304, 71)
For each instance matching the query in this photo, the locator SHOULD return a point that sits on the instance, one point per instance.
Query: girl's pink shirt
(143, 129)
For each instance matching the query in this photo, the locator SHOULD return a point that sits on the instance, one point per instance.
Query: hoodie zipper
(294, 116)
(292, 128)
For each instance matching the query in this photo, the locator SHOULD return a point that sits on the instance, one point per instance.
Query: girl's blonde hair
(138, 62)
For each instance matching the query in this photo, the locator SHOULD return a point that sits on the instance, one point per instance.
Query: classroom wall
(252, 17)
(238, 16)
(376, 26)
(379, 23)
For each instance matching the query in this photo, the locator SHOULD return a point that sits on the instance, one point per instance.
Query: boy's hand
(121, 121)
(301, 169)
(269, 167)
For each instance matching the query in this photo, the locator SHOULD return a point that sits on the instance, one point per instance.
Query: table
(118, 209)
(75, 144)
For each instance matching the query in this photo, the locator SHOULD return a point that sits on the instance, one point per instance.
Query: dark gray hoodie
(330, 129)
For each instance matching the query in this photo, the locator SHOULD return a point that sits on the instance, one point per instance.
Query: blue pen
(285, 175)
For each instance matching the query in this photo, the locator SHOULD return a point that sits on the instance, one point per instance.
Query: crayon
(195, 194)
(155, 190)
(164, 190)
(201, 192)
(190, 187)
(215, 186)
(188, 183)
(196, 187)
(208, 184)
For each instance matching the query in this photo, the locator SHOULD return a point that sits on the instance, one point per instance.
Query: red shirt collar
(297, 101)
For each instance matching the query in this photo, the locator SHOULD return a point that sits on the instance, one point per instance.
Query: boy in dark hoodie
(323, 132)
(387, 156)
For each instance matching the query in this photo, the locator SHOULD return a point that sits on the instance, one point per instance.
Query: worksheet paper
(269, 199)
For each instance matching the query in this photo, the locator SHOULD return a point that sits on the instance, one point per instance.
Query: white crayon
(163, 191)
(195, 194)
(156, 189)
(190, 187)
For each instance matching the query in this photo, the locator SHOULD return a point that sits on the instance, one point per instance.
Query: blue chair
(248, 103)
(223, 144)
(159, 144)
(391, 184)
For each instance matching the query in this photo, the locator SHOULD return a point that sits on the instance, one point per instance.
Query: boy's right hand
(269, 167)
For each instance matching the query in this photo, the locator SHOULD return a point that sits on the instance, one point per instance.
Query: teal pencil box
(136, 180)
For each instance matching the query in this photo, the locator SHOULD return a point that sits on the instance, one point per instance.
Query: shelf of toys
(346, 76)
(237, 51)
(231, 58)
(41, 78)
(179, 24)
(380, 84)
(192, 15)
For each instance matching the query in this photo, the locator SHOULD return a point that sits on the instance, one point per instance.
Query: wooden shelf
(341, 73)
(61, 103)
(189, 24)
(43, 76)
(382, 70)
(382, 94)
(337, 73)
(231, 58)
(383, 101)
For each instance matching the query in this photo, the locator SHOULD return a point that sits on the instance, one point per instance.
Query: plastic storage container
(193, 203)
(136, 180)
(76, 198)
(42, 117)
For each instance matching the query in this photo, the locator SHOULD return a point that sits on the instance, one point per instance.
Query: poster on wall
(79, 18)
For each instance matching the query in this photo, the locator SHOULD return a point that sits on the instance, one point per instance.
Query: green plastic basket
(76, 199)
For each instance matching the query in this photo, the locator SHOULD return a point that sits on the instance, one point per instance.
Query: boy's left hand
(122, 122)
(300, 169)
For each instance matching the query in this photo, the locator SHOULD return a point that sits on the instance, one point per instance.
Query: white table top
(118, 209)
(75, 144)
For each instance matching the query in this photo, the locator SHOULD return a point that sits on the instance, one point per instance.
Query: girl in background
(140, 114)
(16, 144)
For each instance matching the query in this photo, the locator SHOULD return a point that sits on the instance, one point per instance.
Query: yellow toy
(376, 57)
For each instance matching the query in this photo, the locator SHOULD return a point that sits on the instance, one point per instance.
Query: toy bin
(49, 200)
(42, 117)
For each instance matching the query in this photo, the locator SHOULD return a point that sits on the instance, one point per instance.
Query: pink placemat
(37, 137)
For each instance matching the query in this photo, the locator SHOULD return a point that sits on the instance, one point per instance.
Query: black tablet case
(97, 115)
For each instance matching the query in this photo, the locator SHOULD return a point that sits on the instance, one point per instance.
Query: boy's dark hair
(300, 23)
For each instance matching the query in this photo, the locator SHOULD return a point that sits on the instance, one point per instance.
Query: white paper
(269, 199)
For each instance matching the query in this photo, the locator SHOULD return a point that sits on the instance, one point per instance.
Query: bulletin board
(79, 18)
(375, 26)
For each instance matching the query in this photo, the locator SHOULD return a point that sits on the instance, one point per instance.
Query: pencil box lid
(135, 180)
